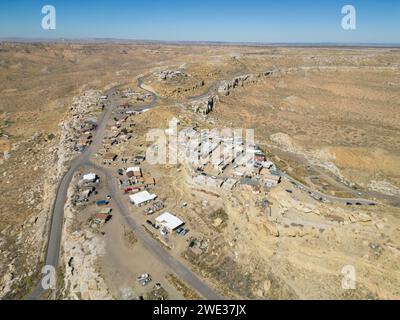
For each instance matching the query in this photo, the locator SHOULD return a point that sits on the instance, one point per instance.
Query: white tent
(90, 177)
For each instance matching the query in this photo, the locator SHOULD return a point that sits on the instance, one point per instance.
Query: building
(271, 180)
(267, 164)
(241, 171)
(200, 179)
(168, 221)
(141, 198)
(213, 182)
(106, 211)
(249, 182)
(90, 177)
(134, 172)
(149, 181)
(110, 157)
(207, 148)
(229, 184)
(259, 157)
(101, 218)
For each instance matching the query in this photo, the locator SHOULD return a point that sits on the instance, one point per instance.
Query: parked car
(144, 279)
(183, 232)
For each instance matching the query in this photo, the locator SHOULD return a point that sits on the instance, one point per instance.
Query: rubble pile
(204, 105)
(76, 130)
(171, 75)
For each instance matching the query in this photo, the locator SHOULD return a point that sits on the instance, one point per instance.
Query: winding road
(318, 194)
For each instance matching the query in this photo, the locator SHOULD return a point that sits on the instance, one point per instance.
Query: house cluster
(222, 161)
(85, 188)
(166, 222)
(86, 128)
(134, 181)
(78, 130)
(138, 188)
(120, 131)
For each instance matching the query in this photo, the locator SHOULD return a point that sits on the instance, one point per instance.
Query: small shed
(134, 172)
(101, 218)
(110, 157)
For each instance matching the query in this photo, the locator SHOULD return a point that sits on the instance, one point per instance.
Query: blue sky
(205, 20)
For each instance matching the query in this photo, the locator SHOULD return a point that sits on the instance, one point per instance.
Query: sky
(278, 21)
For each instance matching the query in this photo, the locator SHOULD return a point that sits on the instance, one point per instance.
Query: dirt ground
(335, 110)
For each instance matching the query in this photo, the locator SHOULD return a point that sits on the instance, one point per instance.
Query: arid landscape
(320, 195)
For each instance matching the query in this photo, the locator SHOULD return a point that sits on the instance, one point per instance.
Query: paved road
(56, 226)
(318, 194)
(57, 219)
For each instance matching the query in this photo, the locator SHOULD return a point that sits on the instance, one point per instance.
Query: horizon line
(201, 42)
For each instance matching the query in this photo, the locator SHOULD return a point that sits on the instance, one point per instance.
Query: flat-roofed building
(142, 198)
(169, 221)
(134, 172)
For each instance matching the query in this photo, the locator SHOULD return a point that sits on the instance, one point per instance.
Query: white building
(90, 177)
(169, 221)
(229, 184)
(267, 164)
(272, 180)
(142, 198)
(134, 172)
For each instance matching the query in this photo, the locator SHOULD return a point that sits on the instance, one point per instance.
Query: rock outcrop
(204, 105)
(226, 86)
